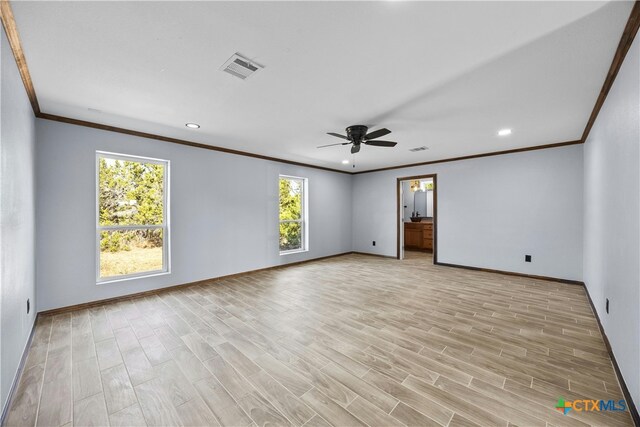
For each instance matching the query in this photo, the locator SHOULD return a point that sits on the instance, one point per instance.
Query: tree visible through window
(132, 226)
(292, 215)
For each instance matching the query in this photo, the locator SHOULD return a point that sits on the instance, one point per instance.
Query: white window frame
(166, 240)
(304, 217)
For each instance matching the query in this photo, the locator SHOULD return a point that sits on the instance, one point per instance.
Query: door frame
(399, 221)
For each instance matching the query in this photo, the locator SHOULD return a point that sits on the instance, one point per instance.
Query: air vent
(419, 149)
(240, 66)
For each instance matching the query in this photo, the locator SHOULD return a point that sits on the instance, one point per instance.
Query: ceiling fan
(357, 135)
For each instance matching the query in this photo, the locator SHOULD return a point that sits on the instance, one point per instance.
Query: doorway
(417, 217)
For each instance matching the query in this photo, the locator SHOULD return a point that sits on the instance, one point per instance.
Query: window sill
(132, 277)
(297, 251)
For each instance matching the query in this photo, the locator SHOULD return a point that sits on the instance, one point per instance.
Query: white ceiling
(447, 75)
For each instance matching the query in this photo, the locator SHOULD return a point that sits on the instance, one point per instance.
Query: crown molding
(629, 33)
(108, 128)
(475, 156)
(9, 24)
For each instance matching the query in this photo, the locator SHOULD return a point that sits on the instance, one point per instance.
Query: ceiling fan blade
(381, 143)
(337, 134)
(377, 133)
(355, 148)
(331, 145)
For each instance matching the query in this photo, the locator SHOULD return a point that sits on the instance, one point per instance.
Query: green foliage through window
(291, 214)
(130, 193)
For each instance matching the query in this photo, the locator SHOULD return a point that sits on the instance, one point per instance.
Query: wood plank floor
(352, 340)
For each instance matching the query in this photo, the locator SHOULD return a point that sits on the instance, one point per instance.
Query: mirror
(420, 202)
(417, 195)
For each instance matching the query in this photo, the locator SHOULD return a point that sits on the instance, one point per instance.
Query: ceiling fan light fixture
(345, 162)
(504, 132)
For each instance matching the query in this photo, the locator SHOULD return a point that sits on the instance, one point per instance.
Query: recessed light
(504, 132)
(192, 125)
(345, 162)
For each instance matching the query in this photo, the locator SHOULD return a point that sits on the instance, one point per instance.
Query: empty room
(320, 213)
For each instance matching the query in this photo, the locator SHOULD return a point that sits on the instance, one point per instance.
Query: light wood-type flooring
(351, 340)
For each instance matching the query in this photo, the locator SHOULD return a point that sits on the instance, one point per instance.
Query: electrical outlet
(374, 243)
(607, 306)
(28, 306)
(527, 258)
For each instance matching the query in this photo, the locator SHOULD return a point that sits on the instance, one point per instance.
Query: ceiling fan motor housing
(357, 133)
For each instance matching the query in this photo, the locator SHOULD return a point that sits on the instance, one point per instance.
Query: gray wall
(224, 213)
(17, 225)
(611, 216)
(491, 211)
